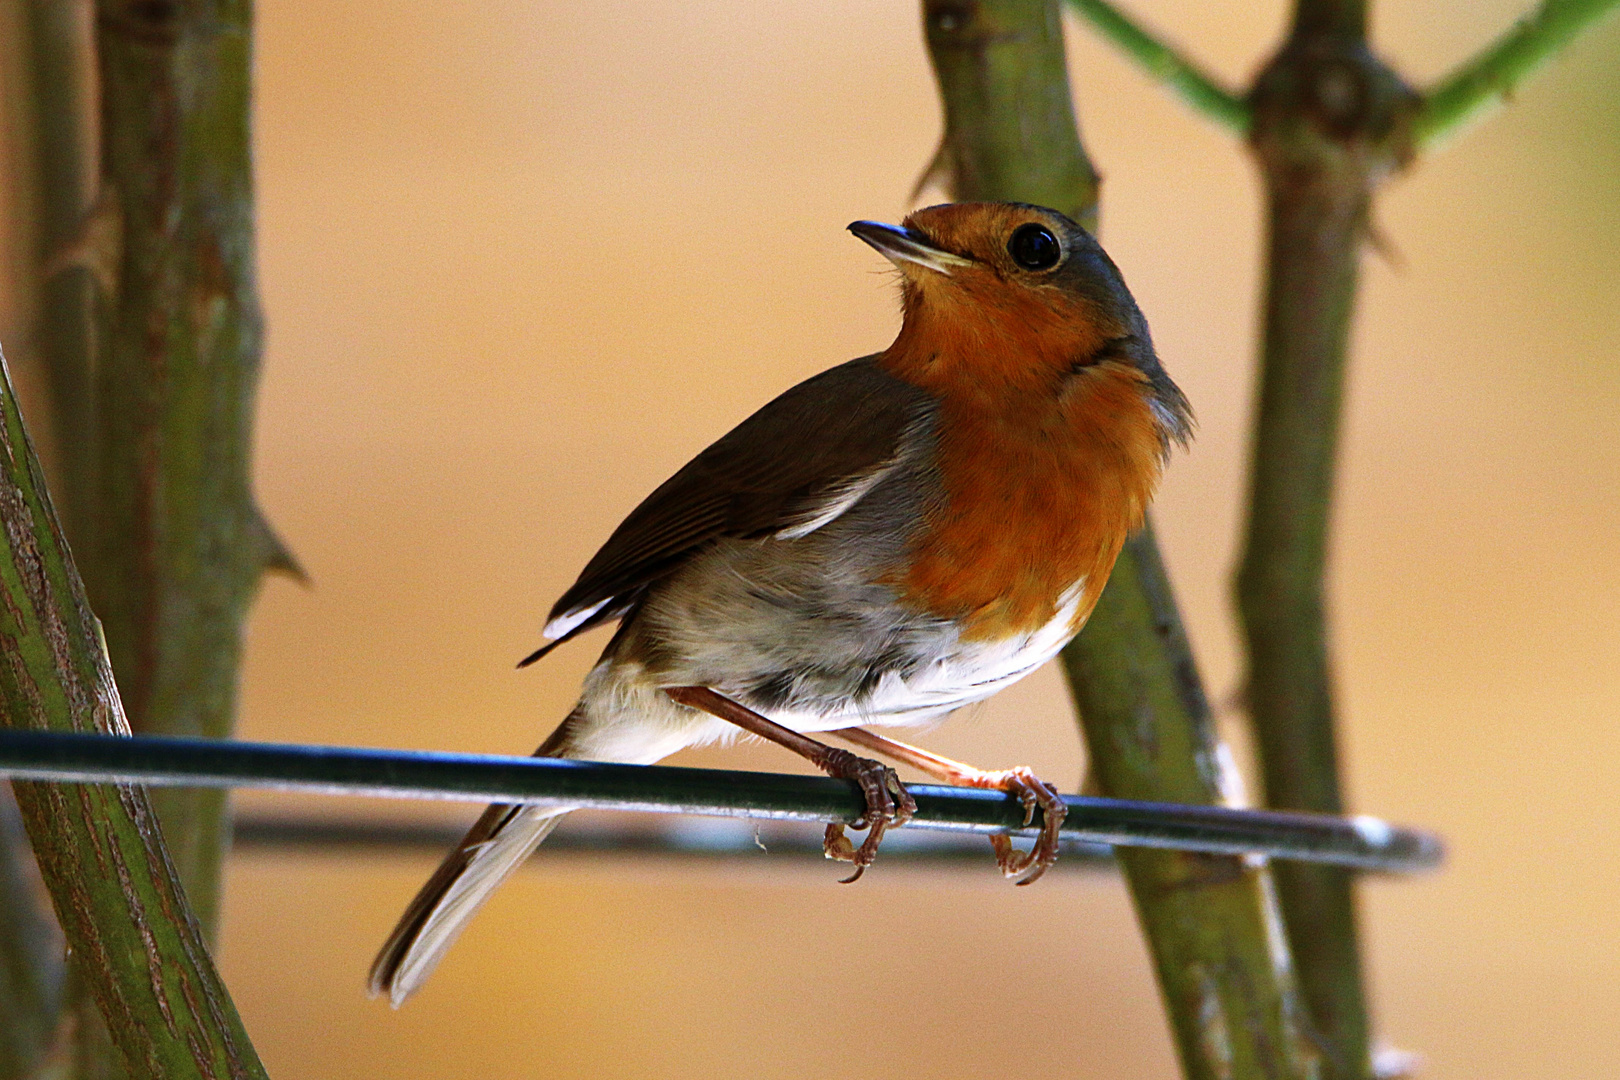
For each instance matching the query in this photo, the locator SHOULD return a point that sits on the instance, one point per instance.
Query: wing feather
(791, 468)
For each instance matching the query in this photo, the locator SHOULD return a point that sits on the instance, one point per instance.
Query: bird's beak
(903, 246)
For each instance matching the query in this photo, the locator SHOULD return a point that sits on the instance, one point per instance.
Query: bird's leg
(888, 803)
(1019, 781)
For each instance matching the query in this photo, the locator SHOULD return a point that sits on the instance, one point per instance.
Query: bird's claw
(1033, 792)
(888, 805)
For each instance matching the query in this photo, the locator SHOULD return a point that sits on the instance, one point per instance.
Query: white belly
(627, 716)
(966, 672)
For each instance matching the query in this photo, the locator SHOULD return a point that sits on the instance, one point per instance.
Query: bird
(890, 540)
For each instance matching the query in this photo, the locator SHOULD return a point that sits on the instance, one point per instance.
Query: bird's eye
(1034, 247)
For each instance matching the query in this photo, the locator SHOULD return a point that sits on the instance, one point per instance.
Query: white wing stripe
(565, 622)
(835, 507)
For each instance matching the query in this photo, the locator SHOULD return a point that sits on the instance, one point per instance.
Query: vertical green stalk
(1009, 116)
(63, 84)
(161, 509)
(59, 44)
(1223, 969)
(149, 333)
(1224, 973)
(1329, 121)
(99, 849)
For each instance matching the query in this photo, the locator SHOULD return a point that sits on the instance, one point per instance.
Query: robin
(884, 543)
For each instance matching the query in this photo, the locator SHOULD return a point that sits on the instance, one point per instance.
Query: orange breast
(1042, 482)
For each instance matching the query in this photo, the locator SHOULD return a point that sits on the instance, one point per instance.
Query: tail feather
(497, 844)
(492, 849)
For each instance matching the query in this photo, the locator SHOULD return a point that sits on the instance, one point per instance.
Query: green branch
(1009, 115)
(99, 849)
(75, 252)
(1164, 64)
(1491, 77)
(1233, 1005)
(162, 516)
(1232, 997)
(1329, 121)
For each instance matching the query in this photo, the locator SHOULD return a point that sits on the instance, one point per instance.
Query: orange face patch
(989, 326)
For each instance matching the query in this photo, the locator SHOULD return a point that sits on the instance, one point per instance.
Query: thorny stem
(73, 256)
(1327, 122)
(162, 517)
(1492, 76)
(100, 852)
(1330, 121)
(1229, 991)
(1004, 59)
(149, 333)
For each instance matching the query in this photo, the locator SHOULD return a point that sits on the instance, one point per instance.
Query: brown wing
(790, 468)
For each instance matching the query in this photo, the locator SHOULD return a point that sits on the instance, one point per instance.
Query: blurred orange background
(521, 260)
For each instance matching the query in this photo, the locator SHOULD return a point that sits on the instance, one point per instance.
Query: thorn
(277, 557)
(1381, 242)
(98, 246)
(941, 171)
(101, 641)
(117, 719)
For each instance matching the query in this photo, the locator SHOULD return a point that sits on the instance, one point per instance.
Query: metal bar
(1365, 843)
(682, 838)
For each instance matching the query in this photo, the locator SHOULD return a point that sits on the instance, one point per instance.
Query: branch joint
(1327, 98)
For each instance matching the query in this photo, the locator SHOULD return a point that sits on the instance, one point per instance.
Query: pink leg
(1019, 781)
(887, 801)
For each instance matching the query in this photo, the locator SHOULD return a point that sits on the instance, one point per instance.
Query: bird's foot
(1020, 781)
(1032, 791)
(888, 804)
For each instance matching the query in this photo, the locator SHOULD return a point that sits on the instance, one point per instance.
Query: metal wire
(674, 837)
(1365, 843)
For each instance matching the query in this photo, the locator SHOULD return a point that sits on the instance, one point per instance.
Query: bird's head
(1007, 295)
